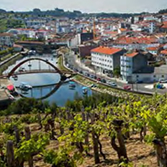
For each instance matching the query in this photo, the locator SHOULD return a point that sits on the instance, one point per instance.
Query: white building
(6, 39)
(106, 59)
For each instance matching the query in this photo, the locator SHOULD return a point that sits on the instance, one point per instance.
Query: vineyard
(96, 131)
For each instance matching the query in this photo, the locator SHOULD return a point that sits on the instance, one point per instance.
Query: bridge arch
(35, 58)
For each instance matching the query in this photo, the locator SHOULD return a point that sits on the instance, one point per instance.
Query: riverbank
(5, 64)
(5, 97)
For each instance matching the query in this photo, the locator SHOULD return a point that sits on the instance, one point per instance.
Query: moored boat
(72, 84)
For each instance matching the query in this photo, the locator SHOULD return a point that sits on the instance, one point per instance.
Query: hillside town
(80, 89)
(135, 47)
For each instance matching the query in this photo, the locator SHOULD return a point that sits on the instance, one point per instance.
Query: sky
(119, 6)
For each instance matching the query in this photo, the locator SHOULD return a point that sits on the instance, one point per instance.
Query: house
(163, 53)
(79, 39)
(163, 27)
(132, 64)
(30, 33)
(85, 49)
(17, 48)
(106, 59)
(153, 50)
(6, 39)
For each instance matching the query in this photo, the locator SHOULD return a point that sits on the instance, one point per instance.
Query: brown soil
(139, 153)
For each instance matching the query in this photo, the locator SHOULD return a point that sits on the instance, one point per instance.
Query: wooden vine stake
(10, 154)
(28, 137)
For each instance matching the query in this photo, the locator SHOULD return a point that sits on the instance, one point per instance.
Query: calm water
(50, 93)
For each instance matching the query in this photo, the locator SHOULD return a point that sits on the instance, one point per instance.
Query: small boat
(72, 84)
(29, 65)
(25, 86)
(84, 90)
(15, 77)
(21, 69)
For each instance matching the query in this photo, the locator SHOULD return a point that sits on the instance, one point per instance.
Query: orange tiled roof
(106, 50)
(131, 54)
(110, 32)
(152, 48)
(123, 29)
(164, 52)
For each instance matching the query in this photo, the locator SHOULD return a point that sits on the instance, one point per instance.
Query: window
(162, 76)
(154, 76)
(137, 76)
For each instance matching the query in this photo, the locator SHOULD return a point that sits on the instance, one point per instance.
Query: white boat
(25, 86)
(15, 77)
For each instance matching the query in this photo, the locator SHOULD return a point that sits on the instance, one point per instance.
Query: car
(99, 79)
(87, 74)
(103, 80)
(112, 84)
(127, 87)
(163, 80)
(93, 85)
(81, 72)
(139, 81)
(93, 76)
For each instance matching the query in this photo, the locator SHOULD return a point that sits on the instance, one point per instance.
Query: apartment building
(106, 59)
(6, 39)
(134, 66)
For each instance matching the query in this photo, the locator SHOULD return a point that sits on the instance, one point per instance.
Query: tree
(116, 71)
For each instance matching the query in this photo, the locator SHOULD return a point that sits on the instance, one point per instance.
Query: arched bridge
(27, 60)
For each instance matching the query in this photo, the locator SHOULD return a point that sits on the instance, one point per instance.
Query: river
(51, 93)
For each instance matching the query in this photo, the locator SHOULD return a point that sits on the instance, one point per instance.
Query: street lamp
(137, 85)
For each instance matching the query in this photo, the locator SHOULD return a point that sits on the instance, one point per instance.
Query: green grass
(60, 64)
(6, 57)
(11, 62)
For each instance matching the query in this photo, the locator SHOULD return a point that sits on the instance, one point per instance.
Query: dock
(5, 97)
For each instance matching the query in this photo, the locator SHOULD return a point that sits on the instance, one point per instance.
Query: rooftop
(133, 54)
(164, 52)
(106, 50)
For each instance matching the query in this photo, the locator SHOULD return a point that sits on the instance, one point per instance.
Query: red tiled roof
(106, 50)
(164, 52)
(6, 34)
(131, 54)
(130, 40)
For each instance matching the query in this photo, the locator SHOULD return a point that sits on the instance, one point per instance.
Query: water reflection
(50, 93)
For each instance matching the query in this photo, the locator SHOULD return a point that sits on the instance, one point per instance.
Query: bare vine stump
(160, 149)
(121, 149)
(10, 154)
(95, 142)
(27, 133)
(17, 135)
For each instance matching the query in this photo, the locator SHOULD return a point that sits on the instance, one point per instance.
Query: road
(74, 63)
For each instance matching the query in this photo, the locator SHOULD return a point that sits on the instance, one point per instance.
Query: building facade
(106, 59)
(6, 39)
(134, 62)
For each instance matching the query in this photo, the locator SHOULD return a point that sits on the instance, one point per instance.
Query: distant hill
(2, 11)
(163, 11)
(72, 14)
